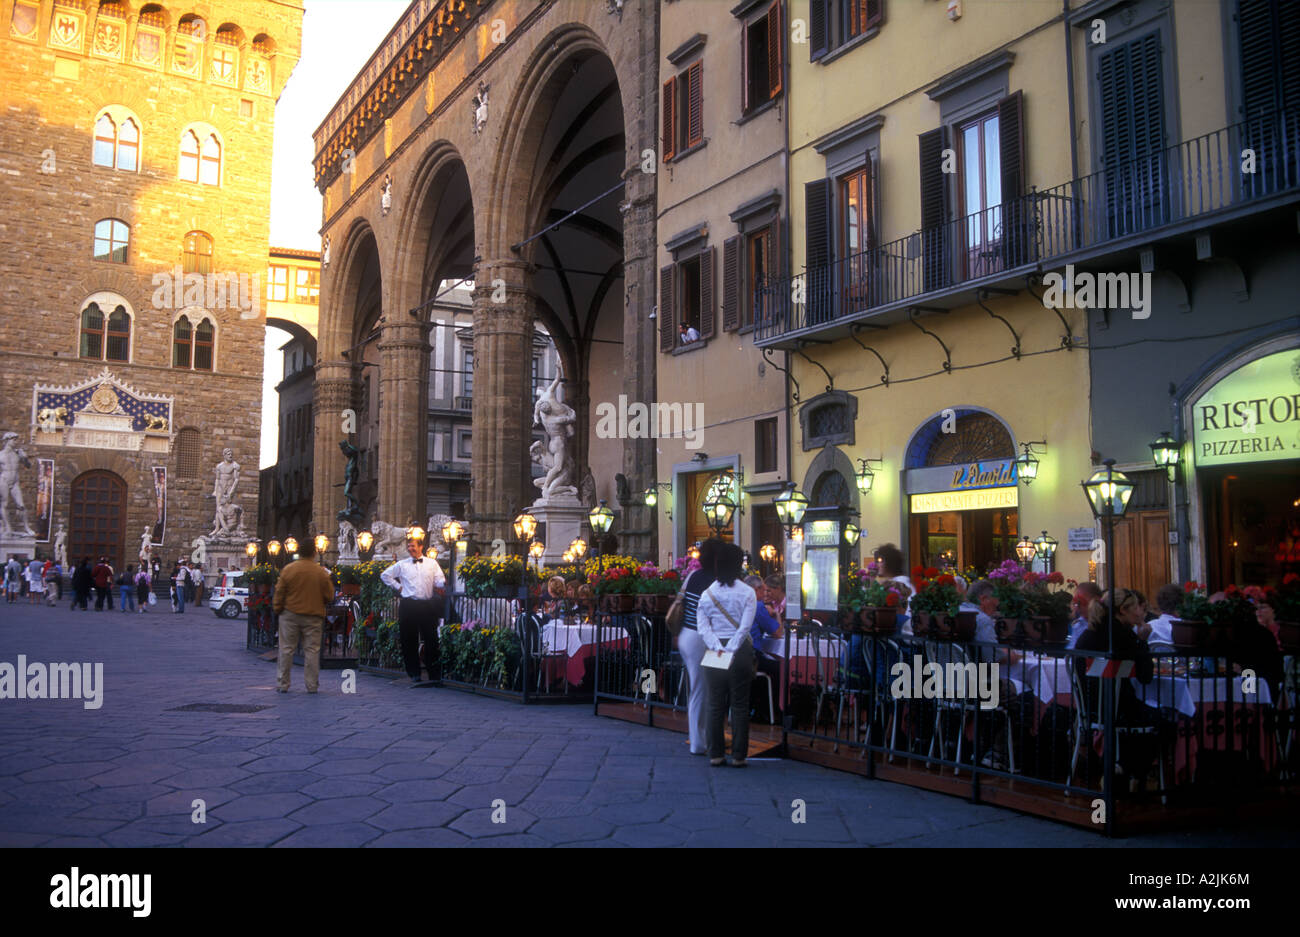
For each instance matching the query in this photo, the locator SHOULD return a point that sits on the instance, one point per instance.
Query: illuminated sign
(965, 477)
(976, 500)
(1252, 415)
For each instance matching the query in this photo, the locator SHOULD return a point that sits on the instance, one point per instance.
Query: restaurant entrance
(961, 539)
(1252, 523)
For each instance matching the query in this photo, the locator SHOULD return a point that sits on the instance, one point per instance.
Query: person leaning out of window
(725, 615)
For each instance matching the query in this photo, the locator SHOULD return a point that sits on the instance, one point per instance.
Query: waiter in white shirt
(420, 581)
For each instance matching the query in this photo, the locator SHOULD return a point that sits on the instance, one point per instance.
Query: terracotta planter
(350, 588)
(1288, 632)
(880, 620)
(263, 588)
(1201, 637)
(1035, 631)
(961, 628)
(661, 603)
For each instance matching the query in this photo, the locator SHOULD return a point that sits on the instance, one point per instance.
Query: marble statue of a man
(11, 495)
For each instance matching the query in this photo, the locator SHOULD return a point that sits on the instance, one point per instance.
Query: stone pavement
(393, 766)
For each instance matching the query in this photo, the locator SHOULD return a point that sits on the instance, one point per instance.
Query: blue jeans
(128, 596)
(180, 598)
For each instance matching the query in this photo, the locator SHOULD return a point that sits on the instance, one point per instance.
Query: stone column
(403, 419)
(503, 399)
(638, 533)
(333, 394)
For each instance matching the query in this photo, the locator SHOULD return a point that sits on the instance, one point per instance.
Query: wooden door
(1142, 552)
(98, 518)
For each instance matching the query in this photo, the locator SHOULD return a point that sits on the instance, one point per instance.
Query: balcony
(1108, 213)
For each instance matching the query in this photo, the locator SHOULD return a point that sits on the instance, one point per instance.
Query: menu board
(821, 578)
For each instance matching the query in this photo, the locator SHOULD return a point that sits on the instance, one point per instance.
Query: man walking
(301, 595)
(419, 580)
(180, 579)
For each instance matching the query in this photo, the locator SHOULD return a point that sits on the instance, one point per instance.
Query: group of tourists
(37, 578)
(42, 578)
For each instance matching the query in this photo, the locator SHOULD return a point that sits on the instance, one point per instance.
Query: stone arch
(418, 251)
(336, 323)
(832, 459)
(930, 432)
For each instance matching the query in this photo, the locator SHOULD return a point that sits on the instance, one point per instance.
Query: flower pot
(963, 627)
(1201, 637)
(880, 620)
(622, 604)
(263, 588)
(350, 588)
(1288, 633)
(1035, 631)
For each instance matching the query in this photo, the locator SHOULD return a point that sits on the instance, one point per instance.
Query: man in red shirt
(102, 575)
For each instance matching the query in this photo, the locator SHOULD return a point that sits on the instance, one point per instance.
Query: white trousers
(691, 646)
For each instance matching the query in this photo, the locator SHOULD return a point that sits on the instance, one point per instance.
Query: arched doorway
(97, 518)
(962, 491)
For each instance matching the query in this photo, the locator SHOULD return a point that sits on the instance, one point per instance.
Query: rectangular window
(855, 239)
(833, 23)
(980, 160)
(683, 111)
(537, 376)
(307, 285)
(763, 58)
(758, 256)
(464, 446)
(689, 275)
(467, 372)
(765, 445)
(277, 283)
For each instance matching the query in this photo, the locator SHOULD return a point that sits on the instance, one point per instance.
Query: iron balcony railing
(1197, 178)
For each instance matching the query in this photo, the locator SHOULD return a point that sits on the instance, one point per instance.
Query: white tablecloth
(572, 638)
(1185, 694)
(1041, 675)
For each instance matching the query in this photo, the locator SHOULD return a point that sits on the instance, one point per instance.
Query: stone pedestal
(16, 544)
(564, 519)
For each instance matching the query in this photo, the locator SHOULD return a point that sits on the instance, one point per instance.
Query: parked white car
(229, 597)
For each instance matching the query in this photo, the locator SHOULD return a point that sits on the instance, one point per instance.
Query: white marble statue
(146, 546)
(347, 542)
(61, 545)
(11, 495)
(228, 521)
(386, 196)
(228, 524)
(389, 540)
(435, 533)
(557, 420)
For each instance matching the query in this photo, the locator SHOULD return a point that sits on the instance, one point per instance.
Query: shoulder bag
(674, 619)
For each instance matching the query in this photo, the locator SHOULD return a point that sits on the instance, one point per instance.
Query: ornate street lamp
(1026, 464)
(719, 507)
(790, 505)
(525, 526)
(452, 531)
(1165, 452)
(578, 548)
(651, 496)
(322, 544)
(1045, 549)
(568, 557)
(767, 553)
(535, 550)
(415, 532)
(601, 518)
(290, 546)
(251, 551)
(694, 552)
(274, 548)
(1025, 551)
(851, 533)
(865, 477)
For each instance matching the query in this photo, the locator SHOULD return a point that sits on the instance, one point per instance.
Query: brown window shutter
(695, 104)
(875, 13)
(731, 291)
(933, 208)
(818, 38)
(667, 323)
(669, 103)
(775, 35)
(1011, 134)
(707, 317)
(871, 193)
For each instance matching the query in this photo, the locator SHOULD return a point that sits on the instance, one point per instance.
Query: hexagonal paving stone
(478, 823)
(650, 835)
(259, 806)
(417, 790)
(343, 787)
(281, 763)
(67, 771)
(571, 829)
(420, 839)
(337, 810)
(274, 782)
(182, 802)
(247, 833)
(430, 813)
(206, 777)
(633, 812)
(333, 835)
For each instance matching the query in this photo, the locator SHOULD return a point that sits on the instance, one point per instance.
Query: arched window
(193, 341)
(105, 338)
(105, 141)
(187, 453)
(197, 253)
(204, 334)
(832, 491)
(210, 170)
(117, 140)
(111, 238)
(190, 157)
(182, 343)
(128, 146)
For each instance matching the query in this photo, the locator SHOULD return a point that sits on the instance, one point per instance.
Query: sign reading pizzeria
(1252, 415)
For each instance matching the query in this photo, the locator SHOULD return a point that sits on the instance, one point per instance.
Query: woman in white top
(724, 616)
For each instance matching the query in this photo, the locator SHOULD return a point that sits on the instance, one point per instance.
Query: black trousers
(418, 619)
(103, 594)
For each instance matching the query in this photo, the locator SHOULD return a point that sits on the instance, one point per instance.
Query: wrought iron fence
(635, 661)
(1048, 719)
(1233, 166)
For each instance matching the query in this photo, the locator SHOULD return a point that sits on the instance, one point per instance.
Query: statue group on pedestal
(228, 523)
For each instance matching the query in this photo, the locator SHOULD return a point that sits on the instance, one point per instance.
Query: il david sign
(1252, 415)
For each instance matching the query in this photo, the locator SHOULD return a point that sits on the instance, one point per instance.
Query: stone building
(506, 142)
(137, 186)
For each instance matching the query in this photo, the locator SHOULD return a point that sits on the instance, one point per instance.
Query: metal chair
(1087, 722)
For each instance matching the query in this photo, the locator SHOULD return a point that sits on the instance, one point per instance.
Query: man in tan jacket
(302, 592)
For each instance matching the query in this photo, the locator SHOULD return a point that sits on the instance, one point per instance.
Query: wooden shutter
(706, 293)
(669, 102)
(934, 199)
(775, 44)
(1132, 131)
(731, 289)
(818, 39)
(874, 14)
(667, 321)
(818, 249)
(1018, 242)
(695, 104)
